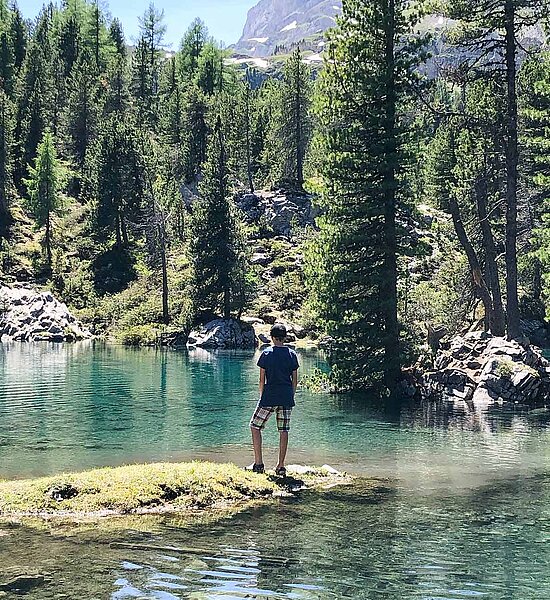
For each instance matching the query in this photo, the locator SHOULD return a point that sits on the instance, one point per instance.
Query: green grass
(134, 489)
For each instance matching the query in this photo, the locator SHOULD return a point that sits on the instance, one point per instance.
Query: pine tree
(492, 32)
(116, 33)
(35, 106)
(69, 42)
(44, 189)
(120, 181)
(82, 110)
(7, 62)
(196, 133)
(191, 48)
(295, 122)
(535, 143)
(216, 247)
(6, 166)
(352, 267)
(142, 84)
(19, 35)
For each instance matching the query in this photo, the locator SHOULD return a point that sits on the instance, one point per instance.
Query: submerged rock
(223, 334)
(481, 369)
(27, 315)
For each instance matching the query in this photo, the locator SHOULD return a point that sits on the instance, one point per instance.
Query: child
(278, 381)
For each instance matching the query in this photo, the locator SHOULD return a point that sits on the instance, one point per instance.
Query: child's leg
(257, 443)
(283, 424)
(257, 423)
(283, 447)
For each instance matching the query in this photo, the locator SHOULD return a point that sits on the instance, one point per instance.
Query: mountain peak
(272, 24)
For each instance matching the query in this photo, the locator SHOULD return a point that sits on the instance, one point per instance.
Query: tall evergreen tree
(19, 36)
(44, 189)
(196, 128)
(492, 31)
(6, 165)
(120, 181)
(217, 248)
(353, 266)
(83, 109)
(35, 96)
(191, 48)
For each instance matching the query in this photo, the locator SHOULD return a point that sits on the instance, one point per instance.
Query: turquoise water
(469, 514)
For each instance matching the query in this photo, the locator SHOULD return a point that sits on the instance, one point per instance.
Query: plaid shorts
(262, 413)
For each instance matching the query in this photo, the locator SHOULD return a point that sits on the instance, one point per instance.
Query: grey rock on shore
(27, 315)
(481, 369)
(223, 334)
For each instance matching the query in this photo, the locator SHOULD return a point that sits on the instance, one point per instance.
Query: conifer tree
(191, 48)
(492, 30)
(19, 35)
(7, 63)
(217, 250)
(196, 132)
(35, 97)
(83, 109)
(6, 165)
(116, 34)
(120, 181)
(352, 267)
(535, 143)
(44, 189)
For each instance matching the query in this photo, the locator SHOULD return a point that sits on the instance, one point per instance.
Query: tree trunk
(512, 152)
(124, 231)
(248, 151)
(48, 241)
(299, 141)
(497, 323)
(392, 370)
(165, 306)
(473, 261)
(226, 303)
(117, 229)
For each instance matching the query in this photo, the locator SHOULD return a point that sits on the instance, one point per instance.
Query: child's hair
(278, 332)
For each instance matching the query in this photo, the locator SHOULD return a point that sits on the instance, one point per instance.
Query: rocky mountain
(273, 24)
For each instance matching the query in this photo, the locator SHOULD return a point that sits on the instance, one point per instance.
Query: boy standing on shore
(278, 381)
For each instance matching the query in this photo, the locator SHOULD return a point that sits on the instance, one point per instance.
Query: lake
(469, 514)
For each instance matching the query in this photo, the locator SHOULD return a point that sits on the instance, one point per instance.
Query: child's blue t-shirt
(279, 363)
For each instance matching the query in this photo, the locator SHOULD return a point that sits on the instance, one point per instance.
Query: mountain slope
(273, 23)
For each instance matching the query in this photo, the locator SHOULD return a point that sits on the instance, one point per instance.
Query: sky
(225, 18)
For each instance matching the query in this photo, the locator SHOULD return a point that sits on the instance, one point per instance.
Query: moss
(505, 368)
(134, 489)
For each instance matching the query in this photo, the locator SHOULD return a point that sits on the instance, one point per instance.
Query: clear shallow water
(469, 515)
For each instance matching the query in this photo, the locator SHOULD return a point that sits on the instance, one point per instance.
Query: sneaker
(280, 472)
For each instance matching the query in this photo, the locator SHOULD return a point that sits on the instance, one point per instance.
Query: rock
(22, 584)
(264, 339)
(281, 211)
(173, 339)
(260, 258)
(223, 334)
(483, 369)
(27, 315)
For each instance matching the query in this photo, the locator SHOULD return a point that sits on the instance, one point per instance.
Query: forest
(425, 152)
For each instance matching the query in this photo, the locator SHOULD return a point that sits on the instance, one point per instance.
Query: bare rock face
(223, 334)
(27, 315)
(273, 23)
(481, 369)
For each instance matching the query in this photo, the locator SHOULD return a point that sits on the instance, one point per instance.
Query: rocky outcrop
(282, 23)
(480, 369)
(27, 315)
(279, 211)
(223, 334)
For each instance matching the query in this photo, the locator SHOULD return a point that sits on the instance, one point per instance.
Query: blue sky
(225, 18)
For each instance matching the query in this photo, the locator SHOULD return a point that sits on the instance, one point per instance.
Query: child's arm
(262, 381)
(294, 380)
